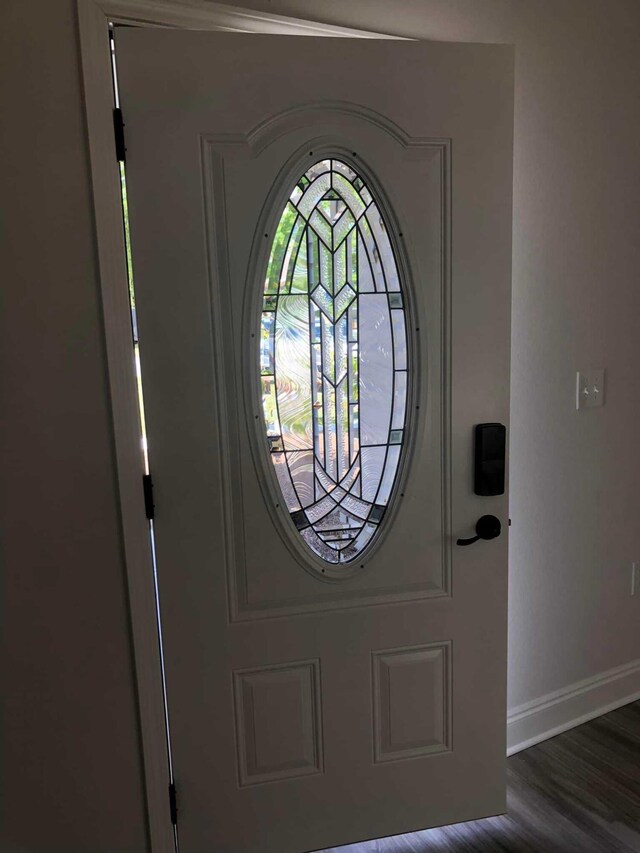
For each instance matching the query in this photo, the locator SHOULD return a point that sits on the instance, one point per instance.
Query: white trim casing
(105, 177)
(570, 706)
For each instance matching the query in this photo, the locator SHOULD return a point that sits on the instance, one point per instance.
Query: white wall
(71, 758)
(576, 303)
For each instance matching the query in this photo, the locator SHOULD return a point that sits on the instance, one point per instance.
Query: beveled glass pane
(267, 343)
(290, 255)
(340, 268)
(356, 490)
(284, 480)
(323, 550)
(324, 480)
(340, 168)
(333, 362)
(354, 430)
(318, 169)
(324, 301)
(270, 302)
(350, 194)
(399, 399)
(383, 246)
(312, 195)
(326, 268)
(338, 519)
(269, 406)
(330, 434)
(348, 481)
(390, 468)
(351, 250)
(372, 465)
(343, 300)
(338, 494)
(353, 362)
(341, 347)
(342, 427)
(376, 369)
(399, 338)
(328, 349)
(356, 507)
(293, 372)
(371, 253)
(365, 273)
(317, 401)
(300, 465)
(366, 195)
(300, 278)
(321, 508)
(331, 208)
(342, 228)
(352, 551)
(322, 228)
(278, 248)
(313, 259)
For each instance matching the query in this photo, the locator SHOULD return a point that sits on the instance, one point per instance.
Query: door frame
(93, 19)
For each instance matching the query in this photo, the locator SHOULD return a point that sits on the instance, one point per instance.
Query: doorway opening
(147, 535)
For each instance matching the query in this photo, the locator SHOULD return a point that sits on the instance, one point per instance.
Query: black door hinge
(173, 804)
(118, 132)
(149, 506)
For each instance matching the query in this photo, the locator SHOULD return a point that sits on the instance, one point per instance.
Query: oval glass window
(333, 361)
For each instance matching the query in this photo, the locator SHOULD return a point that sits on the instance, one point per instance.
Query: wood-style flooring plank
(578, 792)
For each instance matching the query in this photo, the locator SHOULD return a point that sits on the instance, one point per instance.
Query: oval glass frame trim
(335, 367)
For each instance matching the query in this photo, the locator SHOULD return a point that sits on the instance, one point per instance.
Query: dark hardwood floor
(578, 792)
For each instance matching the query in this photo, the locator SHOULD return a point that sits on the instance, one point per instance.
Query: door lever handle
(487, 527)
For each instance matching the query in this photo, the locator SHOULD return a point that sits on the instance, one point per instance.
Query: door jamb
(93, 18)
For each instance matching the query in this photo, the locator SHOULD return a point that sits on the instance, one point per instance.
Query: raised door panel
(412, 701)
(267, 574)
(278, 722)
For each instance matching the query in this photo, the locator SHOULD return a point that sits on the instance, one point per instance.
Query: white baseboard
(563, 709)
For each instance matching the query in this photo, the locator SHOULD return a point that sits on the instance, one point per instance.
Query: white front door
(321, 235)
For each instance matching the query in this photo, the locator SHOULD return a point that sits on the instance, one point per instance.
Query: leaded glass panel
(333, 361)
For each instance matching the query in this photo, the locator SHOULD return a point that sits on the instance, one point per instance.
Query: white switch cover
(590, 388)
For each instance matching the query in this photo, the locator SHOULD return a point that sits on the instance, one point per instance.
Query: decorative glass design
(334, 361)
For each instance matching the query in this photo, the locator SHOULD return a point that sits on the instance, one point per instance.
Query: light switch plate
(590, 388)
